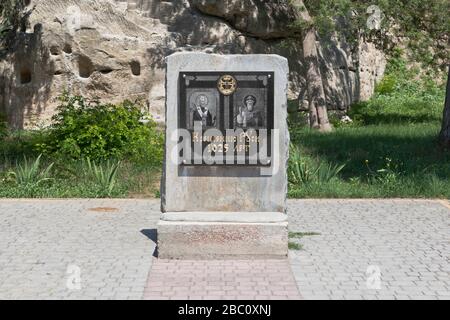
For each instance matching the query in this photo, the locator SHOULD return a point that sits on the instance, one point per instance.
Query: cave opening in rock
(85, 67)
(25, 76)
(106, 70)
(67, 48)
(54, 50)
(135, 68)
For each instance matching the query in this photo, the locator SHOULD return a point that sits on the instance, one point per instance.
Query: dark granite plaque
(216, 107)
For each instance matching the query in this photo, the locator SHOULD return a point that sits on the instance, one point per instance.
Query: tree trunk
(444, 136)
(316, 93)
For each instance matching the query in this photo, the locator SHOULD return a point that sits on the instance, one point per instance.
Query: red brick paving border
(221, 279)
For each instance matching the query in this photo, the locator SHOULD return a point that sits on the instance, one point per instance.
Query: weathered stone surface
(92, 48)
(213, 240)
(263, 19)
(224, 211)
(246, 217)
(226, 188)
(116, 51)
(372, 66)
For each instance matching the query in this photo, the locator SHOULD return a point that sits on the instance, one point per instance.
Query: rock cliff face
(114, 50)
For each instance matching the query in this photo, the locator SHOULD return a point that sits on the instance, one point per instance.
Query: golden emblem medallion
(227, 85)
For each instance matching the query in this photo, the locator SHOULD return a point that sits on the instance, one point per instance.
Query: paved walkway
(221, 280)
(75, 249)
(102, 249)
(382, 249)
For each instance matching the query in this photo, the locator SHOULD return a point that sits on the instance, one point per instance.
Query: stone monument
(224, 184)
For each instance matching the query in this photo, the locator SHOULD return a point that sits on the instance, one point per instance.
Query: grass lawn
(69, 178)
(390, 150)
(381, 161)
(74, 180)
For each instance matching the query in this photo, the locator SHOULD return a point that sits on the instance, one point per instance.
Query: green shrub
(301, 172)
(29, 173)
(402, 97)
(386, 85)
(104, 175)
(85, 129)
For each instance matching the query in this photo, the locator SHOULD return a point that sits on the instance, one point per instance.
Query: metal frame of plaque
(239, 101)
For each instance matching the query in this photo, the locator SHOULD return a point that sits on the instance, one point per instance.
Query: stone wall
(114, 50)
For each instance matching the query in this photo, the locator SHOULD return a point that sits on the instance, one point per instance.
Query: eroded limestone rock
(114, 50)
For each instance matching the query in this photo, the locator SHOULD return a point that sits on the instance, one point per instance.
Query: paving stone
(255, 279)
(408, 240)
(40, 239)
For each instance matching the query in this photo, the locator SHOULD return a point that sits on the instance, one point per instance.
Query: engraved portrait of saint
(248, 116)
(202, 113)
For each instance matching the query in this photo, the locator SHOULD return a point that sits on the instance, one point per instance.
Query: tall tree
(422, 26)
(318, 115)
(13, 17)
(444, 136)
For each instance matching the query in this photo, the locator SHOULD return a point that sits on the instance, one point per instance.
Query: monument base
(223, 235)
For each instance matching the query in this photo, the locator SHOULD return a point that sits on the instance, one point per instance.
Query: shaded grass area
(389, 150)
(388, 158)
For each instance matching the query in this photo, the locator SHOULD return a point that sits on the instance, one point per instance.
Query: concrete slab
(236, 217)
(222, 240)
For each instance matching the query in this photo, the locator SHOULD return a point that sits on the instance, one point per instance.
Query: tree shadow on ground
(412, 151)
(152, 234)
(420, 112)
(398, 118)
